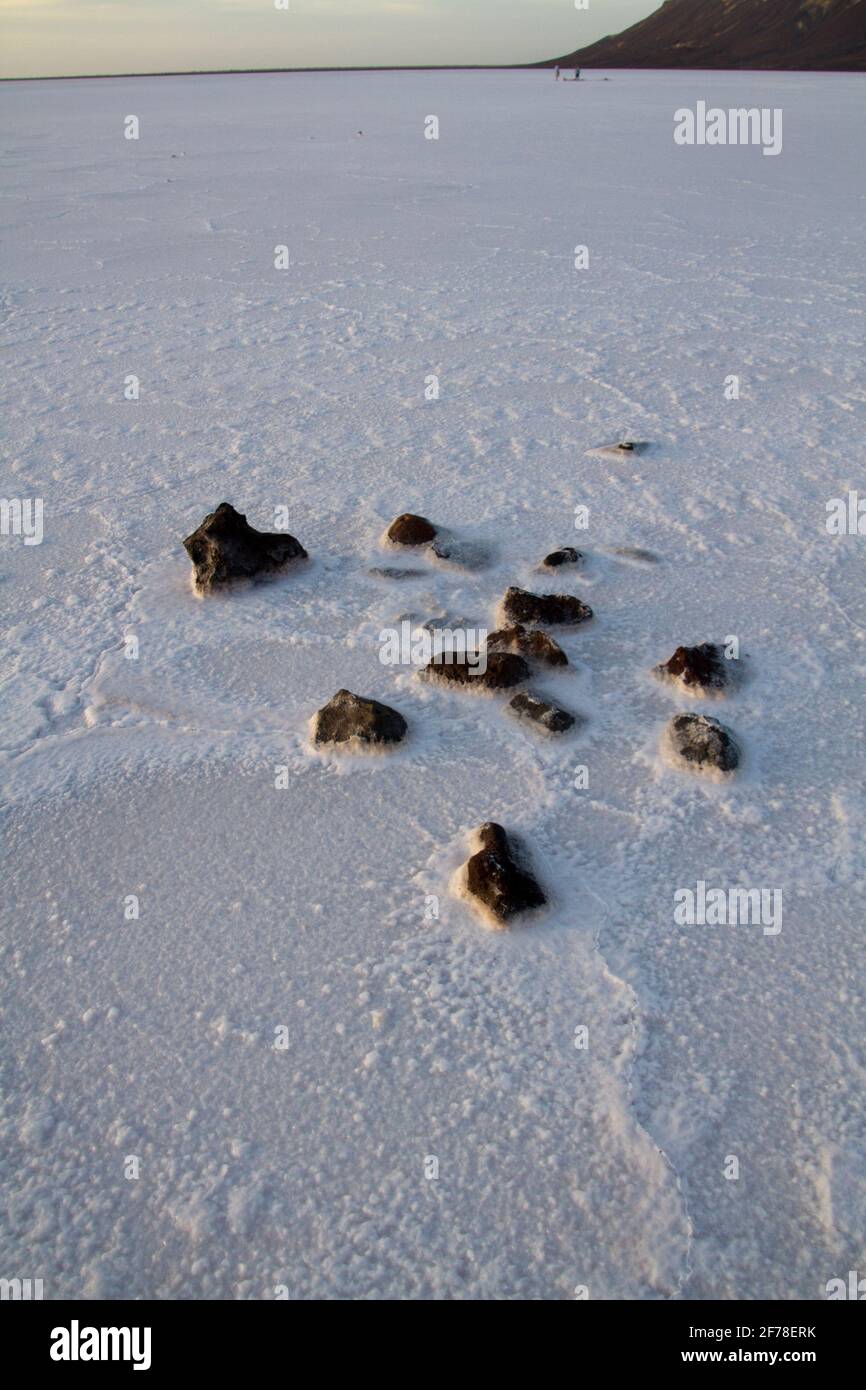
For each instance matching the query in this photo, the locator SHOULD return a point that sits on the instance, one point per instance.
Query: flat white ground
(307, 907)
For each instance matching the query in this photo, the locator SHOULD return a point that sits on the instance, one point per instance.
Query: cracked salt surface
(409, 1035)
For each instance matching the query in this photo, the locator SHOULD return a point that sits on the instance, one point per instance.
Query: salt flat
(309, 908)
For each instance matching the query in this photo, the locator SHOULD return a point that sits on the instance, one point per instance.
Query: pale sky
(69, 37)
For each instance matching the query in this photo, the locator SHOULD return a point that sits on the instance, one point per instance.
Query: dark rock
(623, 447)
(703, 742)
(347, 716)
(411, 530)
(542, 712)
(702, 667)
(504, 670)
(566, 556)
(528, 641)
(494, 877)
(225, 548)
(519, 606)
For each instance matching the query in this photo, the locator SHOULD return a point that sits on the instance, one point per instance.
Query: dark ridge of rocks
(520, 606)
(702, 667)
(544, 713)
(504, 670)
(495, 878)
(566, 556)
(225, 548)
(409, 529)
(825, 35)
(529, 642)
(348, 717)
(703, 742)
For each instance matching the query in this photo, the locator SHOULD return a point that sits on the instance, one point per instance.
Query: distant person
(577, 74)
(557, 72)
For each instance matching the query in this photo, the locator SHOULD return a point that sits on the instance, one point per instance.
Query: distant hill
(820, 35)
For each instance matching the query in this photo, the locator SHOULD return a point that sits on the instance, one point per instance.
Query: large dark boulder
(520, 606)
(347, 718)
(702, 743)
(697, 668)
(530, 642)
(497, 880)
(504, 670)
(409, 529)
(225, 548)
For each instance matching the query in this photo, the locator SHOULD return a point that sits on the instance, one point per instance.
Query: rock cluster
(225, 548)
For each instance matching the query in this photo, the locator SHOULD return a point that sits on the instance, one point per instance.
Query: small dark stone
(623, 446)
(504, 670)
(411, 530)
(703, 742)
(566, 556)
(520, 606)
(543, 712)
(497, 880)
(347, 716)
(702, 667)
(225, 548)
(528, 641)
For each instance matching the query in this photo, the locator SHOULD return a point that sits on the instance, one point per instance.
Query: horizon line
(243, 72)
(400, 67)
